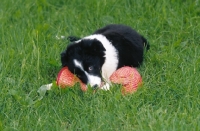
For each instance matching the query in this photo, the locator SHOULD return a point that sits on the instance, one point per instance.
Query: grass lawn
(169, 98)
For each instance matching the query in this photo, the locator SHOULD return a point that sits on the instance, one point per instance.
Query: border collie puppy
(94, 58)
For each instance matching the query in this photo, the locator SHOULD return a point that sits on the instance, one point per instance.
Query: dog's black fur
(126, 45)
(129, 43)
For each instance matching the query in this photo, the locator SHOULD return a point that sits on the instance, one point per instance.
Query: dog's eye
(90, 68)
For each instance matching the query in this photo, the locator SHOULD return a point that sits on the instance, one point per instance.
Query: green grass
(30, 57)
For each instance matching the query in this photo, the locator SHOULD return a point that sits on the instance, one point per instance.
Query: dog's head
(85, 58)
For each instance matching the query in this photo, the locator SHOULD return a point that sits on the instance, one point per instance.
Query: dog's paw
(106, 86)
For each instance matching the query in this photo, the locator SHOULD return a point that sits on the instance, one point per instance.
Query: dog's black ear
(92, 46)
(64, 58)
(73, 38)
(71, 50)
(97, 46)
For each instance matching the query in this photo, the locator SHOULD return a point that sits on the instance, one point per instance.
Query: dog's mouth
(98, 86)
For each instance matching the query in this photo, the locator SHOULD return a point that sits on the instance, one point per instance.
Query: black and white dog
(94, 58)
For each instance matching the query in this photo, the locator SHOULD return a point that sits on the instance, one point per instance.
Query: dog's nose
(95, 86)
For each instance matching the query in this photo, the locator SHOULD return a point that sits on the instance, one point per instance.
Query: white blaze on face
(92, 80)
